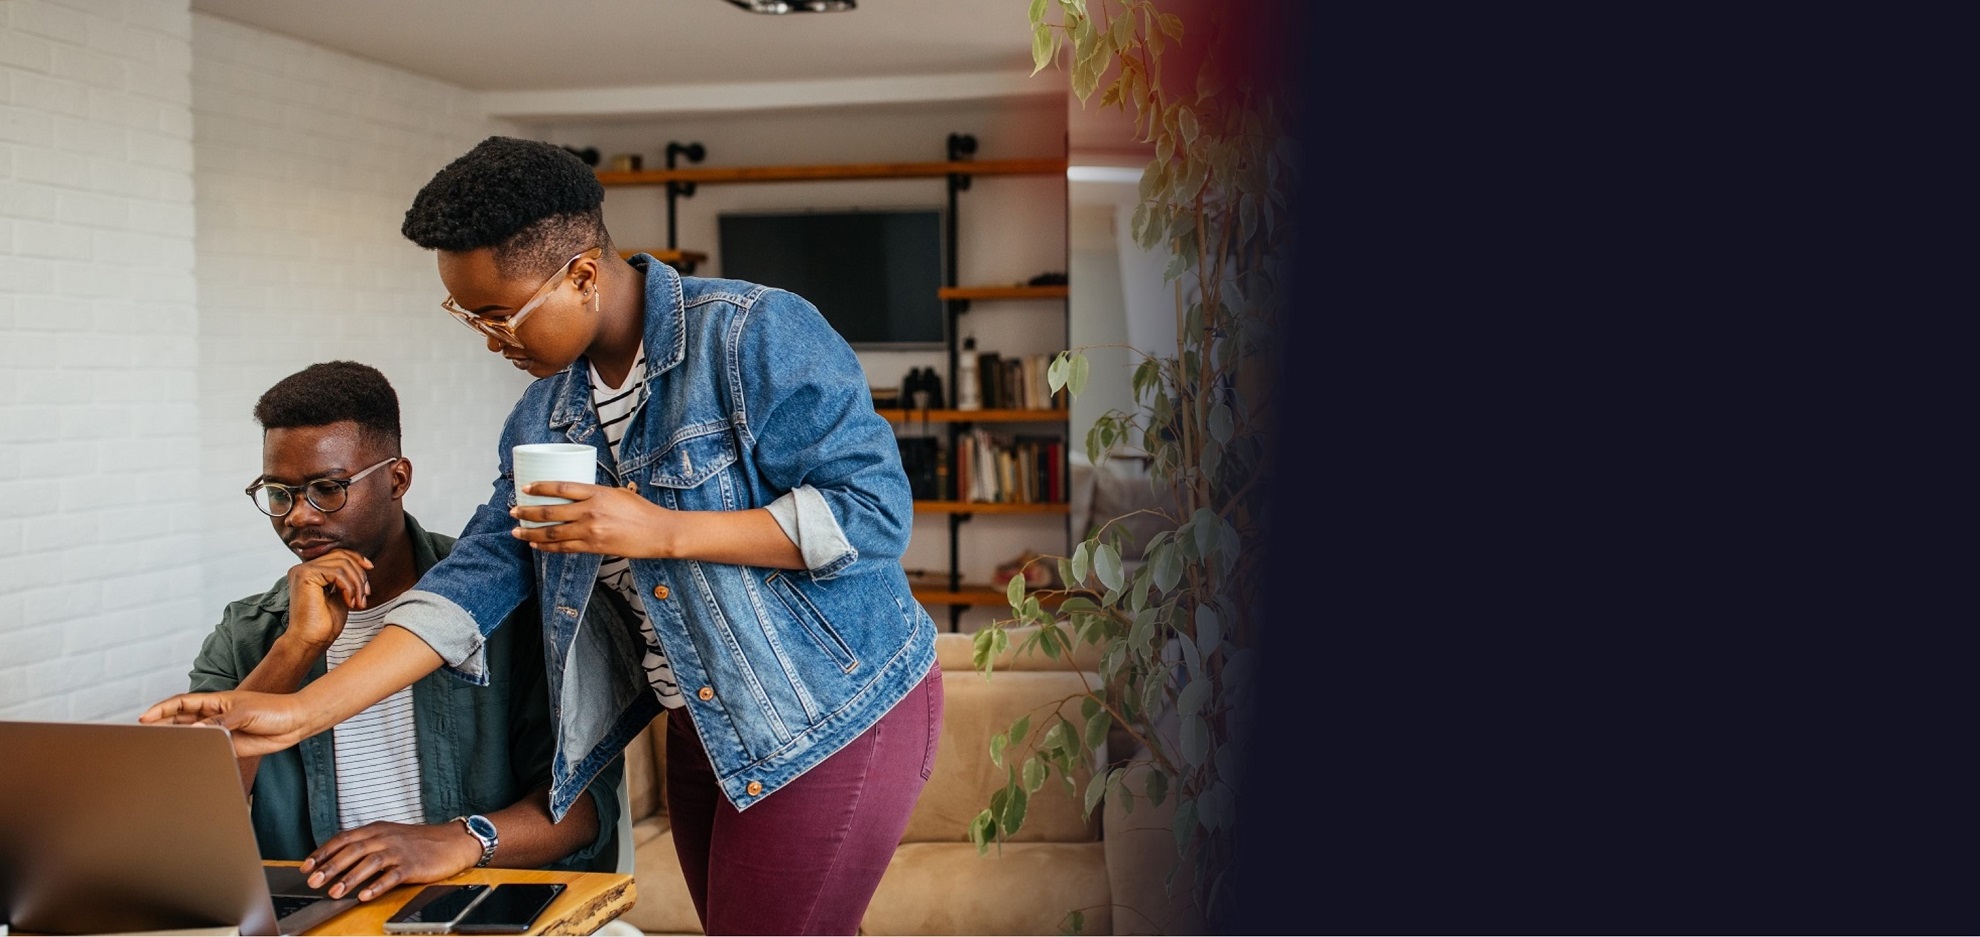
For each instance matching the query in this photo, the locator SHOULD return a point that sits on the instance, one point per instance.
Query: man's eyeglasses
(324, 494)
(504, 330)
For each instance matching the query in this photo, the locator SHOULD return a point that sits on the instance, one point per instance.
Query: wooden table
(591, 900)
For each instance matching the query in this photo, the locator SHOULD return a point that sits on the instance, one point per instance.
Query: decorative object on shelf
(589, 154)
(1178, 636)
(626, 162)
(885, 398)
(1047, 279)
(969, 395)
(921, 456)
(1037, 574)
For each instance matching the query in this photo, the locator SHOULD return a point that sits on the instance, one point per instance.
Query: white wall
(307, 160)
(100, 578)
(1010, 229)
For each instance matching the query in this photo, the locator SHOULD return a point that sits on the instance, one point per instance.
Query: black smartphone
(509, 909)
(434, 909)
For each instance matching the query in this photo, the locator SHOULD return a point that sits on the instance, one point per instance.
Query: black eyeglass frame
(342, 486)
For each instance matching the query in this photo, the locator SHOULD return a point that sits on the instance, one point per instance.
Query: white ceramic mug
(551, 462)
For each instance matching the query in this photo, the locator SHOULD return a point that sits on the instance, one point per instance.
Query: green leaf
(997, 745)
(1172, 25)
(1037, 12)
(979, 831)
(1095, 787)
(1213, 457)
(1034, 774)
(1079, 562)
(1055, 375)
(1203, 525)
(1183, 825)
(1107, 565)
(1014, 810)
(1158, 786)
(1190, 701)
(1186, 124)
(982, 643)
(1014, 590)
(1055, 737)
(1075, 922)
(1077, 380)
(1096, 729)
(1168, 567)
(1209, 630)
(1151, 694)
(1088, 706)
(1195, 740)
(1121, 28)
(1041, 47)
(1192, 659)
(1220, 423)
(1019, 728)
(1066, 575)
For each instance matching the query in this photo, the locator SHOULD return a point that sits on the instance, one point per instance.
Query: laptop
(122, 828)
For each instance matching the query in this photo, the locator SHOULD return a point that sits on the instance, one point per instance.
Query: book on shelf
(997, 468)
(1016, 382)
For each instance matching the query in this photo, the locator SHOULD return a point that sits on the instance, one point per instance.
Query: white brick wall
(100, 575)
(307, 159)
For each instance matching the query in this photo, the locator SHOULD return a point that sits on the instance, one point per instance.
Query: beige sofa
(937, 884)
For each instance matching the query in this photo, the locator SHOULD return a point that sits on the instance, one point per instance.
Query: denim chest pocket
(691, 474)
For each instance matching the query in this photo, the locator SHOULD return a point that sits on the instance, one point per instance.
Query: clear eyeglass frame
(504, 330)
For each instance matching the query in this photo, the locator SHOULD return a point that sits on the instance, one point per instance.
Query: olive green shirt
(480, 748)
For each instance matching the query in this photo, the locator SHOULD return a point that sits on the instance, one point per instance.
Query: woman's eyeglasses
(504, 330)
(324, 494)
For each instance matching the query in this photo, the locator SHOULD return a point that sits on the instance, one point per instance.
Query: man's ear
(401, 477)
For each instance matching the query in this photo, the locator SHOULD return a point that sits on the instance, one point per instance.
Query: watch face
(482, 827)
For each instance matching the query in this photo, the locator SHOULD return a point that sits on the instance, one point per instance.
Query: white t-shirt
(377, 750)
(616, 406)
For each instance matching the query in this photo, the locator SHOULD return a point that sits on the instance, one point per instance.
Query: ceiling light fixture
(796, 6)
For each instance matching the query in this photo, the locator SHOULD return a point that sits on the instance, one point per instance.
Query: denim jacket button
(706, 693)
(632, 487)
(754, 788)
(660, 592)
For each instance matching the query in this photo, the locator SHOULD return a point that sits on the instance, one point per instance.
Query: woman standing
(748, 540)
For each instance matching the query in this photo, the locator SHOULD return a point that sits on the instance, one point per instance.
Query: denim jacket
(754, 402)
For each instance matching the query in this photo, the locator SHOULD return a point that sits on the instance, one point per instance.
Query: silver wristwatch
(483, 830)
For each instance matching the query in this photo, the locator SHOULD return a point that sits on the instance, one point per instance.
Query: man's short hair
(331, 392)
(534, 203)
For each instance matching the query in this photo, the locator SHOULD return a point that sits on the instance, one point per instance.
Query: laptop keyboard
(286, 905)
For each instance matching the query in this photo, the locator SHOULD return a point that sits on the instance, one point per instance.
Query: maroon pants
(807, 858)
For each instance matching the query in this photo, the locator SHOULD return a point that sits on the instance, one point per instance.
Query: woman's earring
(594, 300)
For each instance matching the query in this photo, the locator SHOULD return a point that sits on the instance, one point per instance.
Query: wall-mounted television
(873, 274)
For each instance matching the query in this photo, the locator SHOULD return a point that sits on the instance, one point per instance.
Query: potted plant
(1176, 635)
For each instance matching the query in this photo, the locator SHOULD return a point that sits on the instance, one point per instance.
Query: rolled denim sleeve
(807, 519)
(468, 594)
(840, 492)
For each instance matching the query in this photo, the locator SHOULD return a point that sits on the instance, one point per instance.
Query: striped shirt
(377, 750)
(616, 406)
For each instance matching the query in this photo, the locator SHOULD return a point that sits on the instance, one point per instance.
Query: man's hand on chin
(322, 592)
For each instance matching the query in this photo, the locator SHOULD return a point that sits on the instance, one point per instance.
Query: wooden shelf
(988, 507)
(973, 416)
(1004, 292)
(988, 167)
(970, 594)
(668, 257)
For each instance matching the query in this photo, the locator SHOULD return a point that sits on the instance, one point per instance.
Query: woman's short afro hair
(533, 202)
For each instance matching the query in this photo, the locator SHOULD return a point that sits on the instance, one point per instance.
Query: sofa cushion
(956, 652)
(973, 709)
(1025, 888)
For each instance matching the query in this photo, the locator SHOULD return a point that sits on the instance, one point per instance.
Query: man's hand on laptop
(377, 857)
(260, 722)
(321, 594)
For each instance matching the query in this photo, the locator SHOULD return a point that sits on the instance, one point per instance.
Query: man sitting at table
(441, 777)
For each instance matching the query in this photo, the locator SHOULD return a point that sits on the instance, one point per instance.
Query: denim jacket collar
(665, 342)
